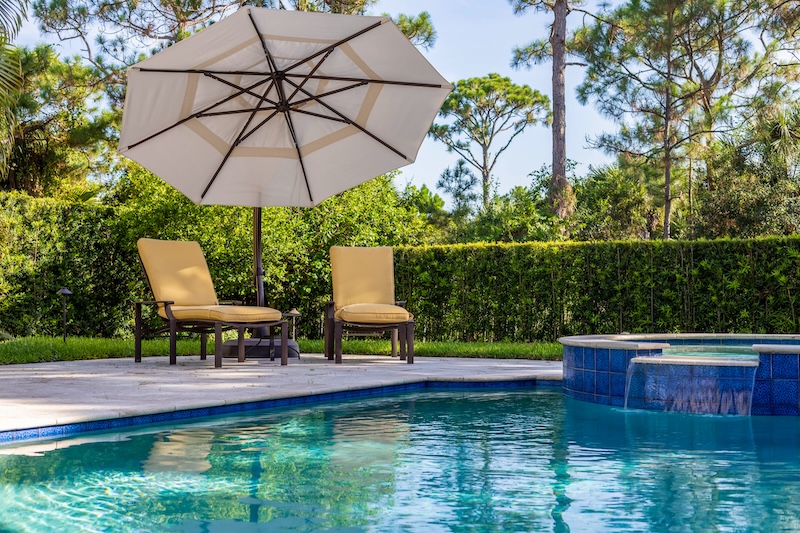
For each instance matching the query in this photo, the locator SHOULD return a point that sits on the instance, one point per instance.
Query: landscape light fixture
(64, 292)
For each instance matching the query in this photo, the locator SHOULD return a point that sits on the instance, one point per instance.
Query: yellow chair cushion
(242, 314)
(362, 275)
(373, 314)
(177, 272)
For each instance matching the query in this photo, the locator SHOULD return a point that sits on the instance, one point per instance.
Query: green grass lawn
(44, 349)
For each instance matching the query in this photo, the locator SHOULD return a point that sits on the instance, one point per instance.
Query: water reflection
(486, 462)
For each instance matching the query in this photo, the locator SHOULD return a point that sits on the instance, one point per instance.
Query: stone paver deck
(50, 394)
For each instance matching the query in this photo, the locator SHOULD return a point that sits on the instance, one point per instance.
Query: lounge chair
(363, 299)
(184, 295)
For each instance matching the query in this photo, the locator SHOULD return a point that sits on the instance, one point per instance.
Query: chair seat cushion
(373, 314)
(244, 314)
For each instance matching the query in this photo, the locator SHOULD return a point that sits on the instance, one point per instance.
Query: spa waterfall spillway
(691, 373)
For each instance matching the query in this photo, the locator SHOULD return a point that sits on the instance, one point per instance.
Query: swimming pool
(513, 460)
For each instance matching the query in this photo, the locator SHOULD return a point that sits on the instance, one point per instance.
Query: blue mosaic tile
(764, 369)
(117, 423)
(731, 372)
(578, 381)
(619, 361)
(97, 425)
(579, 357)
(784, 392)
(654, 405)
(616, 401)
(679, 371)
(568, 356)
(785, 410)
(141, 419)
(784, 366)
(618, 382)
(569, 393)
(602, 400)
(655, 388)
(548, 383)
(703, 371)
(51, 432)
(761, 393)
(602, 383)
(6, 437)
(733, 385)
(73, 429)
(26, 434)
(636, 387)
(589, 357)
(589, 382)
(760, 410)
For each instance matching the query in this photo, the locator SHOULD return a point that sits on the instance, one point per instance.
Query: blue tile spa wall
(690, 388)
(775, 391)
(598, 375)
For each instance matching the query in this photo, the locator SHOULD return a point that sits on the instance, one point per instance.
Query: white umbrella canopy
(280, 108)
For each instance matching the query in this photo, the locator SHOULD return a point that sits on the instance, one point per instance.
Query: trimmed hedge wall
(526, 292)
(517, 292)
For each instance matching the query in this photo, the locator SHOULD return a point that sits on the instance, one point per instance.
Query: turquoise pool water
(712, 351)
(477, 461)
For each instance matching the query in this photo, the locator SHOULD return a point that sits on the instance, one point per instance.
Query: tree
(143, 28)
(560, 193)
(482, 111)
(673, 72)
(59, 135)
(12, 13)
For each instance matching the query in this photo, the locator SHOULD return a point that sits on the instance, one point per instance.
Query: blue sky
(474, 38)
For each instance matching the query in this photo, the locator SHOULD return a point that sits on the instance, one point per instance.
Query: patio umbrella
(280, 108)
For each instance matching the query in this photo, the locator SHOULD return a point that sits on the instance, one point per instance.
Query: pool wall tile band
(66, 430)
(599, 374)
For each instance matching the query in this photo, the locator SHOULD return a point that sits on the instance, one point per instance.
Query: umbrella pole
(258, 267)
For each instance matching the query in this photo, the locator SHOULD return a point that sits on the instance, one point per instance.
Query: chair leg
(240, 344)
(284, 343)
(394, 342)
(173, 342)
(410, 341)
(203, 345)
(217, 344)
(137, 350)
(337, 341)
(401, 333)
(272, 342)
(329, 338)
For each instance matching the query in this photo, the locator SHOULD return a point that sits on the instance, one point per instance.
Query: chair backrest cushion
(177, 271)
(362, 275)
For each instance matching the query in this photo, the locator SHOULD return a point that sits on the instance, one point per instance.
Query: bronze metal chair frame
(334, 331)
(203, 327)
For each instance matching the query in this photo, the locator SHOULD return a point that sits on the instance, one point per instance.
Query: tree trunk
(561, 195)
(667, 131)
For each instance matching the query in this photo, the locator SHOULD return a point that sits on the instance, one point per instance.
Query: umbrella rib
(239, 88)
(237, 111)
(319, 115)
(234, 144)
(369, 80)
(313, 70)
(270, 59)
(352, 123)
(200, 113)
(334, 45)
(299, 155)
(258, 126)
(322, 95)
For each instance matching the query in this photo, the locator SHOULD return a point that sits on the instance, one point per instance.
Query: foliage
(482, 111)
(673, 73)
(59, 135)
(537, 291)
(90, 248)
(140, 29)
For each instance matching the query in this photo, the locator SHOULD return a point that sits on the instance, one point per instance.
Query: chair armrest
(154, 302)
(231, 302)
(401, 303)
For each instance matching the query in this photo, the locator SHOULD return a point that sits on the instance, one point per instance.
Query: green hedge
(526, 292)
(514, 292)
